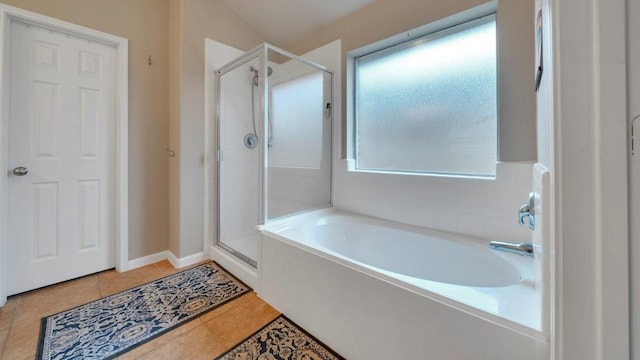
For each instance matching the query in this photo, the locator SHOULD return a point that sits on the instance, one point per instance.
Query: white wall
(476, 207)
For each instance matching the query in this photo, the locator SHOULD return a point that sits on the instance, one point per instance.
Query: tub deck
(322, 289)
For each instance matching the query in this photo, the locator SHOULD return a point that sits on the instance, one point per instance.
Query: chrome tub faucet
(522, 249)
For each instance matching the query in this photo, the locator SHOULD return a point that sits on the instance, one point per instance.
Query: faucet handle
(528, 211)
(523, 213)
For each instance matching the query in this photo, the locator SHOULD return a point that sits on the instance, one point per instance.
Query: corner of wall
(193, 21)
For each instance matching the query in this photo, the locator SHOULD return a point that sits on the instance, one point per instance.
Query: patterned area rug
(281, 339)
(108, 327)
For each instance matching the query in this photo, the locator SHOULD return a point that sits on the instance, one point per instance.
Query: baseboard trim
(147, 260)
(166, 255)
(185, 261)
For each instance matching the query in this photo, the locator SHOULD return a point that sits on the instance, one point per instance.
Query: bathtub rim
(282, 224)
(512, 265)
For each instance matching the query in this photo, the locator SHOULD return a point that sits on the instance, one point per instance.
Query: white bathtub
(340, 274)
(418, 253)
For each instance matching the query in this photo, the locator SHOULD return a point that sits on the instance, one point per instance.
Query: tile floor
(201, 338)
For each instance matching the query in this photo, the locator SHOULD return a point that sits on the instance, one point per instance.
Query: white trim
(208, 150)
(122, 157)
(4, 151)
(459, 20)
(169, 256)
(147, 260)
(591, 218)
(122, 124)
(240, 269)
(185, 261)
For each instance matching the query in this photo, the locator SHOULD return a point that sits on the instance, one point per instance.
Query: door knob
(20, 171)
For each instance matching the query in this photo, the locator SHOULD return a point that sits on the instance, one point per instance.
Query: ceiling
(285, 21)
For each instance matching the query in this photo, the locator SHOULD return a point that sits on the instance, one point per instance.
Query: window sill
(351, 167)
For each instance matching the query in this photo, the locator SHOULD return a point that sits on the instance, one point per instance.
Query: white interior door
(62, 108)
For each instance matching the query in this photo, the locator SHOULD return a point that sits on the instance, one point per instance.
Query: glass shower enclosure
(274, 126)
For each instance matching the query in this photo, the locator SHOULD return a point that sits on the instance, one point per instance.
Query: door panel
(45, 224)
(46, 107)
(62, 130)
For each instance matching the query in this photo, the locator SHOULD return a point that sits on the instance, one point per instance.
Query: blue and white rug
(281, 339)
(108, 327)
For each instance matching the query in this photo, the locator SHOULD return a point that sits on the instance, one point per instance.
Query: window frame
(459, 22)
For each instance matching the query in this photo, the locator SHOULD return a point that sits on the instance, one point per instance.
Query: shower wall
(299, 165)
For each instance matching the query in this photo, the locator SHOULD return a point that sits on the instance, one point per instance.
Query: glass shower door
(298, 162)
(239, 160)
(274, 143)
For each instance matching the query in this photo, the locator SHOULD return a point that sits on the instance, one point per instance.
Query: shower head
(255, 73)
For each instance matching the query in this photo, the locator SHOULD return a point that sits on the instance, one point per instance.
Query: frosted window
(430, 105)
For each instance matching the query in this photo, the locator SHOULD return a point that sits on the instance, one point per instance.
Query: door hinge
(219, 155)
(633, 122)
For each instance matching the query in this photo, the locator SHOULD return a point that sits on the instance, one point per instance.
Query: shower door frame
(232, 65)
(262, 53)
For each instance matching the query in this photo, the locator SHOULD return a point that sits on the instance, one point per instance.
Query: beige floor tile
(12, 301)
(111, 282)
(239, 301)
(22, 341)
(240, 321)
(196, 344)
(63, 287)
(8, 311)
(201, 338)
(4, 334)
(165, 268)
(39, 303)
